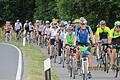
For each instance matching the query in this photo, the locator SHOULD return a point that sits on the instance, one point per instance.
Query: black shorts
(45, 34)
(74, 50)
(17, 31)
(7, 31)
(40, 33)
(52, 41)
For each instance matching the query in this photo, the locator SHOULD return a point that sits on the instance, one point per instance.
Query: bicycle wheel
(85, 70)
(63, 58)
(55, 54)
(117, 63)
(70, 66)
(74, 66)
(106, 63)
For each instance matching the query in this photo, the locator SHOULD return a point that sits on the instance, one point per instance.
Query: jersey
(62, 34)
(26, 26)
(84, 37)
(45, 30)
(103, 33)
(18, 26)
(30, 27)
(53, 33)
(69, 39)
(115, 36)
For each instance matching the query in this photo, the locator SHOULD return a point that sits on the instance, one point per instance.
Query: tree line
(93, 10)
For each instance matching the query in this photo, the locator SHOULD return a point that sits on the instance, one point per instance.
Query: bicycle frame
(72, 63)
(7, 37)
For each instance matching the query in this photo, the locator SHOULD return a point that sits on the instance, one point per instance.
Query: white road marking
(19, 70)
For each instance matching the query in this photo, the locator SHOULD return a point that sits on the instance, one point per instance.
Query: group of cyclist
(70, 35)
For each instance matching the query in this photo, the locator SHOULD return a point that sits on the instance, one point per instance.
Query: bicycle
(103, 56)
(117, 60)
(72, 65)
(84, 62)
(55, 51)
(105, 59)
(63, 57)
(28, 37)
(7, 36)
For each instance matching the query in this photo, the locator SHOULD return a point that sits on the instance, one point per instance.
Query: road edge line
(19, 69)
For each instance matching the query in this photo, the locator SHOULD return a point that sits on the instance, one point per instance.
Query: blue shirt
(84, 38)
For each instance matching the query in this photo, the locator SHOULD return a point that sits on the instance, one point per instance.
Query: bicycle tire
(117, 62)
(73, 66)
(55, 54)
(85, 71)
(63, 58)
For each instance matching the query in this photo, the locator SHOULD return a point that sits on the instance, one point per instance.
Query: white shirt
(30, 27)
(18, 25)
(53, 33)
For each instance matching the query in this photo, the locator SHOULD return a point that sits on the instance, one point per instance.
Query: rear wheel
(117, 67)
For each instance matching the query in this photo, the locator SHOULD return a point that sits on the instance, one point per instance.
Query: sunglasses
(83, 24)
(117, 26)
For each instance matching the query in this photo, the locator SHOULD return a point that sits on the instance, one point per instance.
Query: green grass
(34, 62)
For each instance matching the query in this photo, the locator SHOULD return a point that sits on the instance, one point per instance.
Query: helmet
(102, 22)
(77, 21)
(65, 22)
(37, 21)
(18, 20)
(47, 22)
(8, 22)
(83, 20)
(69, 28)
(55, 22)
(26, 21)
(62, 24)
(30, 23)
(117, 23)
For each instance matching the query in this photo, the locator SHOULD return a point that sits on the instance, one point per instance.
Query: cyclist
(31, 29)
(18, 27)
(40, 31)
(52, 35)
(103, 33)
(69, 41)
(60, 38)
(36, 27)
(84, 33)
(26, 27)
(115, 39)
(45, 31)
(8, 28)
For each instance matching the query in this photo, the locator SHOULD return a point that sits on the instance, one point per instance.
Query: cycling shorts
(52, 41)
(39, 32)
(7, 31)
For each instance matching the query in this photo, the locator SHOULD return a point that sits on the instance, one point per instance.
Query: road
(96, 75)
(9, 63)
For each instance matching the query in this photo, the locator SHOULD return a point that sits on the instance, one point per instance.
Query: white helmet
(18, 20)
(37, 21)
(8, 22)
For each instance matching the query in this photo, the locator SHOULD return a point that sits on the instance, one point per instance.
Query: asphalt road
(9, 58)
(96, 75)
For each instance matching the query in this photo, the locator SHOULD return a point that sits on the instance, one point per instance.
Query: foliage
(93, 10)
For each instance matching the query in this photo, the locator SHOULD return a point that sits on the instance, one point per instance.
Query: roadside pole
(47, 69)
